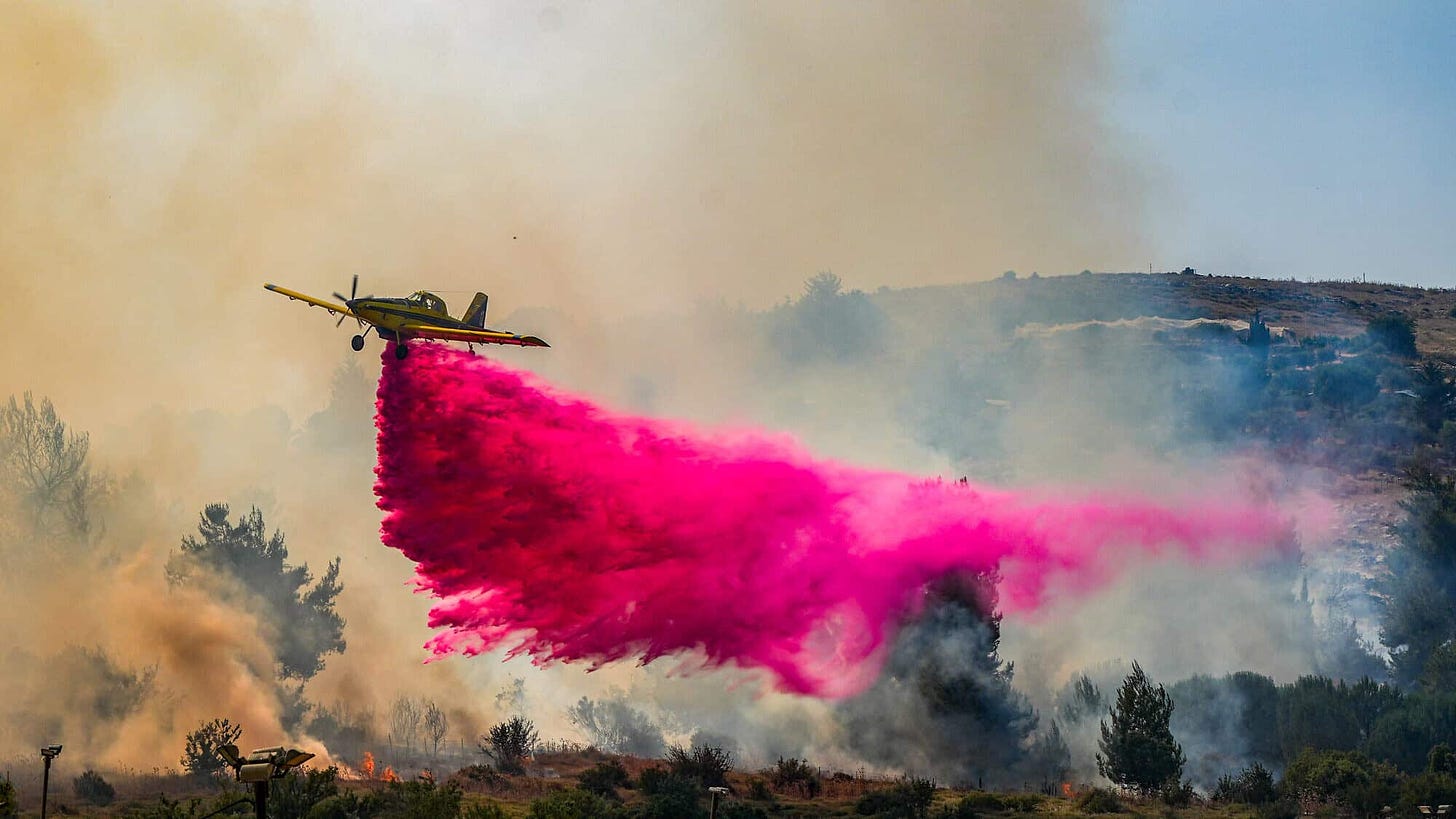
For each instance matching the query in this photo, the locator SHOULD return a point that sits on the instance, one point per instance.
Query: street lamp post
(260, 767)
(713, 806)
(49, 752)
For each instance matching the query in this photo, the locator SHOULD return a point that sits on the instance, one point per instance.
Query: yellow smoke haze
(160, 160)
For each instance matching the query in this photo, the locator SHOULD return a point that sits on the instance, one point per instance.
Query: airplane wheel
(400, 351)
(357, 342)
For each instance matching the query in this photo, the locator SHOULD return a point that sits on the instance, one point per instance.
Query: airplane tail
(475, 314)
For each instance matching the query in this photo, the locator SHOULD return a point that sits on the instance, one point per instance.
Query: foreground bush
(909, 798)
(92, 789)
(604, 778)
(1099, 800)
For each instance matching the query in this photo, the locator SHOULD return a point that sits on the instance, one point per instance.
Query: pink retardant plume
(570, 532)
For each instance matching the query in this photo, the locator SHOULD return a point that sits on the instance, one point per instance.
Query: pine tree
(1138, 749)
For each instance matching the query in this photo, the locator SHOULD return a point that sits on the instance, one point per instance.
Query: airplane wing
(311, 301)
(470, 336)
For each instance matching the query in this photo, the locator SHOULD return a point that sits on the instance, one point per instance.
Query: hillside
(1334, 308)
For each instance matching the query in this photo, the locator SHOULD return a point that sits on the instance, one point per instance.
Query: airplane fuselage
(388, 315)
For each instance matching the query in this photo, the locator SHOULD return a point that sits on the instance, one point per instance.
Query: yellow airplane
(422, 315)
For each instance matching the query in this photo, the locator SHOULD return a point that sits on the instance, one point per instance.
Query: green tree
(1395, 332)
(1078, 700)
(200, 757)
(1419, 616)
(957, 715)
(302, 610)
(509, 743)
(1316, 713)
(827, 323)
(1404, 736)
(1137, 749)
(1344, 386)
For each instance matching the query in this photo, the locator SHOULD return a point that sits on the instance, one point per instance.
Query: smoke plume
(581, 534)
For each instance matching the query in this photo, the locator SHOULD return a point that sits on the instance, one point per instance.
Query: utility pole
(49, 752)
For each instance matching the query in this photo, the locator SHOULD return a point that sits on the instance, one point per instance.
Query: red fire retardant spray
(549, 525)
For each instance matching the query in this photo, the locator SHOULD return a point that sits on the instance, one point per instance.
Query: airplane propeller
(353, 291)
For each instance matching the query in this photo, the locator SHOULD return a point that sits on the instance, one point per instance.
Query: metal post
(45, 787)
(713, 808)
(260, 799)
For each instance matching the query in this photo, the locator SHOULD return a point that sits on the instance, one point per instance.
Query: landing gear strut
(357, 342)
(400, 351)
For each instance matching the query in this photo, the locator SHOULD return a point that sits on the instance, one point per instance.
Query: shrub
(909, 798)
(669, 796)
(7, 798)
(509, 743)
(984, 802)
(963, 809)
(295, 795)
(1278, 809)
(1253, 785)
(604, 778)
(484, 810)
(738, 810)
(1177, 795)
(758, 789)
(1099, 800)
(200, 758)
(796, 774)
(569, 804)
(1023, 802)
(92, 789)
(707, 764)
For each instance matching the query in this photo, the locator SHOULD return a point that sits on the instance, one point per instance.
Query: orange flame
(389, 775)
(1067, 790)
(367, 766)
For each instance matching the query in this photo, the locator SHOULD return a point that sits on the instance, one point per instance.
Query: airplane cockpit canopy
(429, 301)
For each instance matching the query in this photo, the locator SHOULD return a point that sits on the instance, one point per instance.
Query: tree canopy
(1137, 749)
(300, 609)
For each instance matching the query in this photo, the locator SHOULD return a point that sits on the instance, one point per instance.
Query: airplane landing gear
(400, 351)
(357, 342)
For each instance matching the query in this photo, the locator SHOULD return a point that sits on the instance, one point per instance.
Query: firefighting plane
(421, 315)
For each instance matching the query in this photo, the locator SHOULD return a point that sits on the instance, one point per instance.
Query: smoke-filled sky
(161, 160)
(613, 162)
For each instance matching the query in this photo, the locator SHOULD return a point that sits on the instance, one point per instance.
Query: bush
(1278, 809)
(199, 757)
(93, 790)
(295, 795)
(796, 774)
(669, 796)
(984, 802)
(707, 764)
(572, 804)
(758, 789)
(7, 799)
(484, 810)
(604, 778)
(1099, 800)
(509, 743)
(909, 798)
(1253, 785)
(964, 809)
(738, 810)
(1177, 795)
(1023, 802)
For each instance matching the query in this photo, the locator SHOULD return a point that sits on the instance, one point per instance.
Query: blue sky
(1305, 139)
